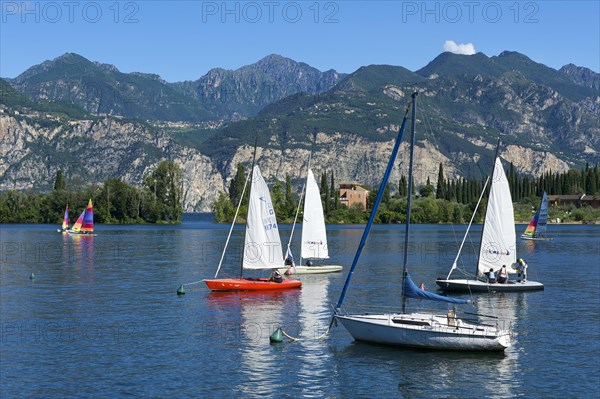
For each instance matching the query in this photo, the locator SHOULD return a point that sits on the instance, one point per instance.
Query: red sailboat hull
(250, 284)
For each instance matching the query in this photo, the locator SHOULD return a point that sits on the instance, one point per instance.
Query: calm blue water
(102, 319)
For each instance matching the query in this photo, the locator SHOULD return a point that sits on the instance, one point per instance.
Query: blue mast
(363, 240)
(410, 184)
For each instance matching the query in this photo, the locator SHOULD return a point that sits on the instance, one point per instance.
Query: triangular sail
(543, 218)
(314, 236)
(498, 240)
(88, 219)
(262, 245)
(65, 223)
(79, 222)
(531, 227)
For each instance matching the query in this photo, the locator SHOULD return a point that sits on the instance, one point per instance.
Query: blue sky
(182, 40)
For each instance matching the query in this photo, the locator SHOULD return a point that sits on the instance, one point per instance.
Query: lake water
(102, 318)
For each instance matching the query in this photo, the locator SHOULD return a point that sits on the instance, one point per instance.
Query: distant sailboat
(421, 329)
(536, 230)
(84, 225)
(314, 234)
(65, 223)
(262, 244)
(497, 248)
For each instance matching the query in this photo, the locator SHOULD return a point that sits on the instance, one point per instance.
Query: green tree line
(159, 200)
(450, 201)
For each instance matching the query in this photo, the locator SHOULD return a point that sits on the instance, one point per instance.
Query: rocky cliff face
(91, 151)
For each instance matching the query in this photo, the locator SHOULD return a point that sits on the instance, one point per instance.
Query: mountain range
(60, 114)
(102, 89)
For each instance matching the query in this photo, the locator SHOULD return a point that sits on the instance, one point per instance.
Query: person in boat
(503, 275)
(491, 276)
(276, 277)
(309, 263)
(521, 270)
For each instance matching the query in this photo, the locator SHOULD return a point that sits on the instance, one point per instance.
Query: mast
(483, 227)
(237, 210)
(363, 240)
(251, 179)
(410, 184)
(312, 147)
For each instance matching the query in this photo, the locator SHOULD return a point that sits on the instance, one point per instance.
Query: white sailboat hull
(533, 238)
(321, 269)
(464, 285)
(429, 331)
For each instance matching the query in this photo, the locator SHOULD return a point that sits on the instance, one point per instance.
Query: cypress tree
(333, 194)
(59, 182)
(402, 187)
(290, 202)
(440, 191)
(325, 191)
(236, 186)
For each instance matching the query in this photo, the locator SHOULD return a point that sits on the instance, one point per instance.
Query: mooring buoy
(181, 290)
(277, 336)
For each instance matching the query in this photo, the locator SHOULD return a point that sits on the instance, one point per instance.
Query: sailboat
(314, 234)
(537, 227)
(262, 245)
(421, 329)
(65, 223)
(84, 226)
(497, 248)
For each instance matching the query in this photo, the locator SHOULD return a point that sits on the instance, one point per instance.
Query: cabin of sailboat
(262, 244)
(423, 330)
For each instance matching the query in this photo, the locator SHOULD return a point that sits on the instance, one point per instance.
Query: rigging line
(468, 228)
(251, 181)
(312, 147)
(233, 222)
(437, 143)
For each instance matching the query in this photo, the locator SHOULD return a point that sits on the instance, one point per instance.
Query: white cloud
(465, 49)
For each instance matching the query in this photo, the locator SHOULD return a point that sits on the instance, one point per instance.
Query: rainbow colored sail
(65, 223)
(88, 219)
(530, 230)
(77, 226)
(538, 223)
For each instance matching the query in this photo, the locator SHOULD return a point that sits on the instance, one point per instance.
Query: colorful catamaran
(85, 222)
(65, 223)
(536, 230)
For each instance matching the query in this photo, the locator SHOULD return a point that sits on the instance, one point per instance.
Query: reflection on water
(260, 313)
(313, 320)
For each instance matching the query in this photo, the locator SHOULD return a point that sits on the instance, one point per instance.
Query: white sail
(262, 245)
(498, 241)
(314, 237)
